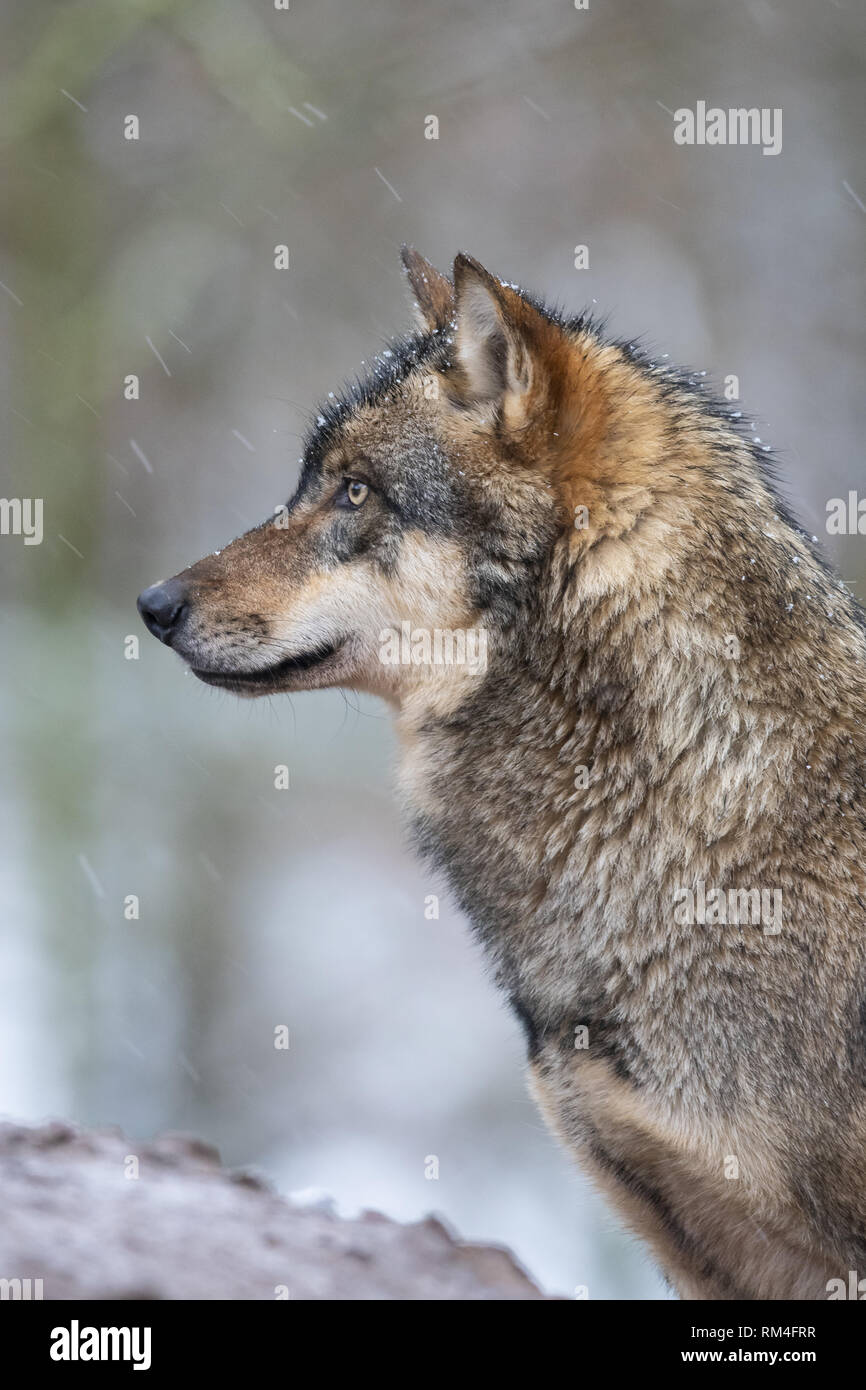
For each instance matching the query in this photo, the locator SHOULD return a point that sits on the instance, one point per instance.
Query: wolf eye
(356, 492)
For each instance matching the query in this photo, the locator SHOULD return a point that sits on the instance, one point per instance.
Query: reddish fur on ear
(433, 291)
(493, 350)
(549, 386)
(507, 352)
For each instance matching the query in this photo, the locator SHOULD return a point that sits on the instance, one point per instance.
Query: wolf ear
(498, 341)
(433, 291)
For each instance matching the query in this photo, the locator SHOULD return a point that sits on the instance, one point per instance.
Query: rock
(76, 1217)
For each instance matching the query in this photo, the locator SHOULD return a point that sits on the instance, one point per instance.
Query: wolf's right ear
(433, 291)
(504, 350)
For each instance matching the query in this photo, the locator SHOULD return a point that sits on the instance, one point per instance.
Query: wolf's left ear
(502, 342)
(433, 291)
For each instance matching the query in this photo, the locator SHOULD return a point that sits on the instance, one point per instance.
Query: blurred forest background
(155, 256)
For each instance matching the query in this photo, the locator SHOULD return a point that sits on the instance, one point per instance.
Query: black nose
(161, 606)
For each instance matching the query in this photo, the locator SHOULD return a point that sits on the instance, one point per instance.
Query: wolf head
(496, 441)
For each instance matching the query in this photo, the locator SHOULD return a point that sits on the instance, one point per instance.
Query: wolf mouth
(268, 675)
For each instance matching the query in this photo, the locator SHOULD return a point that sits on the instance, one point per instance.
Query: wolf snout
(162, 606)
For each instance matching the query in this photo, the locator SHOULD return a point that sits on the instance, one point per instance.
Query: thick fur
(674, 696)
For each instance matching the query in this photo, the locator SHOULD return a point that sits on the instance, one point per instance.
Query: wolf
(672, 695)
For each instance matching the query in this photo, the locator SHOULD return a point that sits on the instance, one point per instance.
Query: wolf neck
(651, 721)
